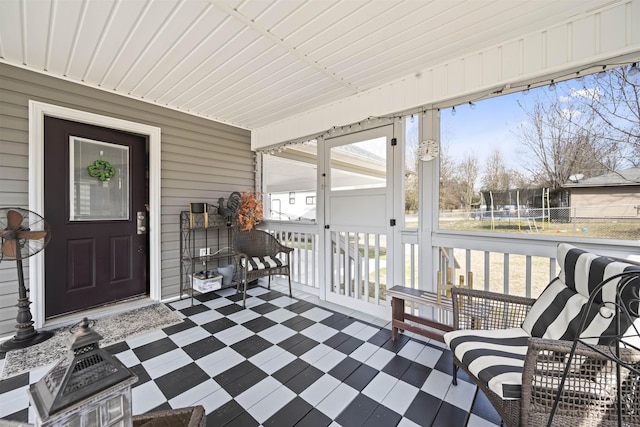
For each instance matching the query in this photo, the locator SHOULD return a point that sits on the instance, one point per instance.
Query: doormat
(113, 328)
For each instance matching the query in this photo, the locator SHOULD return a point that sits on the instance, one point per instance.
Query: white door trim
(37, 112)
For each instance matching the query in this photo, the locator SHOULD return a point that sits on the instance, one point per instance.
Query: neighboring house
(614, 195)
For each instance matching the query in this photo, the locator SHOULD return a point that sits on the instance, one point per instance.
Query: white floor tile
(316, 353)
(258, 392)
(405, 422)
(283, 301)
(411, 350)
(461, 395)
(205, 317)
(266, 356)
(437, 384)
(316, 314)
(182, 304)
(218, 302)
(278, 363)
(319, 332)
(316, 392)
(364, 352)
(380, 358)
(400, 397)
(167, 362)
(189, 336)
(128, 358)
(328, 361)
(276, 333)
(380, 386)
(218, 362)
(271, 404)
(476, 421)
(337, 400)
(243, 316)
(280, 315)
(13, 401)
(233, 335)
(213, 401)
(141, 340)
(195, 394)
(145, 397)
(429, 356)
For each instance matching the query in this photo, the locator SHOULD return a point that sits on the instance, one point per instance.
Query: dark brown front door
(95, 185)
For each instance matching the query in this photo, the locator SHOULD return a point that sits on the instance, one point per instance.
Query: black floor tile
(423, 409)
(237, 297)
(290, 414)
(341, 322)
(155, 348)
(271, 295)
(380, 338)
(303, 346)
(259, 324)
(356, 412)
(298, 323)
(225, 414)
(350, 345)
(304, 379)
(179, 327)
(242, 420)
(383, 416)
(118, 347)
(14, 382)
(396, 346)
(203, 347)
(416, 375)
(483, 408)
(336, 340)
(232, 374)
(244, 382)
(450, 415)
(292, 341)
(194, 309)
(264, 308)
(361, 377)
(291, 370)
(345, 368)
(21, 416)
(141, 373)
(218, 325)
(181, 380)
(229, 309)
(314, 418)
(207, 296)
(300, 307)
(397, 366)
(251, 346)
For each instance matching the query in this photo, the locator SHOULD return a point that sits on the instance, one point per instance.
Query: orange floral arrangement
(250, 211)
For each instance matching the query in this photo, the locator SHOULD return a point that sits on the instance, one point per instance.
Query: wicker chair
(260, 254)
(589, 395)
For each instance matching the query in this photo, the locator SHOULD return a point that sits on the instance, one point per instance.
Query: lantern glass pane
(115, 409)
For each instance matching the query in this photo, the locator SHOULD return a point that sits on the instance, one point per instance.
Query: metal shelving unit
(217, 236)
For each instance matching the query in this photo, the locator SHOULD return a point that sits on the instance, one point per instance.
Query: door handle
(141, 221)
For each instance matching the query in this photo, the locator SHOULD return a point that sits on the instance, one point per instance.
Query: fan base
(14, 344)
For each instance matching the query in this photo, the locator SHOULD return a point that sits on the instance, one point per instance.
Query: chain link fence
(607, 222)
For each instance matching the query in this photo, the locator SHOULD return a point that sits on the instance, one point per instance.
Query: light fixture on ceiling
(633, 69)
(602, 72)
(472, 105)
(552, 86)
(579, 77)
(453, 111)
(526, 91)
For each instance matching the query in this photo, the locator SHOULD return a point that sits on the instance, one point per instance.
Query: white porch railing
(492, 261)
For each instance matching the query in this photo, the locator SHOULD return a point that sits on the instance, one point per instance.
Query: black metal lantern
(87, 387)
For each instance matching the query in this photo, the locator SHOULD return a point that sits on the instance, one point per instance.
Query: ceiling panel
(253, 62)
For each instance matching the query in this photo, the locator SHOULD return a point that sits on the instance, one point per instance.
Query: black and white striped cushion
(495, 357)
(556, 314)
(262, 263)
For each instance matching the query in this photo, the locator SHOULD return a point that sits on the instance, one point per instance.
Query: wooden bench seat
(399, 318)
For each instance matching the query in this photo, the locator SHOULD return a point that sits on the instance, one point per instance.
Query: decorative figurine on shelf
(229, 211)
(250, 211)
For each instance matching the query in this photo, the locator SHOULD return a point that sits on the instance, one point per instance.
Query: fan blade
(14, 220)
(9, 248)
(31, 235)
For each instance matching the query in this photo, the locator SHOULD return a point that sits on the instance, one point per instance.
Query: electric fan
(22, 234)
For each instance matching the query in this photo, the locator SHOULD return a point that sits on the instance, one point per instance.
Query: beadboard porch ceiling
(254, 62)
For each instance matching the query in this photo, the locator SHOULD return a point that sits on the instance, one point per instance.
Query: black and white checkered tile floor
(283, 362)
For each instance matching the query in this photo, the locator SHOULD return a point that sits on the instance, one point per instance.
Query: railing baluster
(528, 276)
(505, 273)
